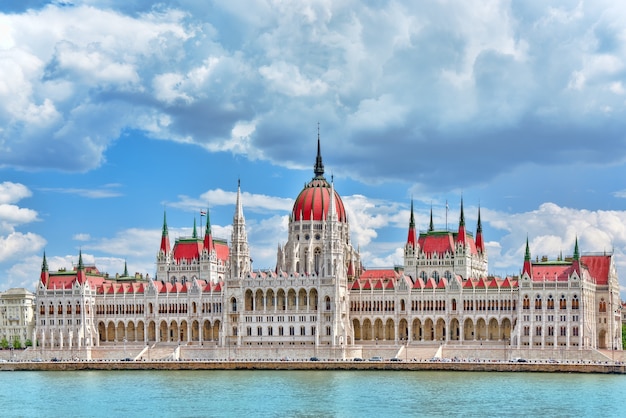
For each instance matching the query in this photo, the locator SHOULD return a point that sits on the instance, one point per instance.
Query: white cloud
(15, 245)
(13, 192)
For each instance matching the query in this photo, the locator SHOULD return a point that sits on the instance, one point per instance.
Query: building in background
(17, 317)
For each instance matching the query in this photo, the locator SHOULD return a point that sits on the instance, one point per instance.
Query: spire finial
(125, 269)
(412, 221)
(318, 169)
(44, 264)
(576, 253)
(527, 254)
(80, 260)
(195, 233)
(479, 227)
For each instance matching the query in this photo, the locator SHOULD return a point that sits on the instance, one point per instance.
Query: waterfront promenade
(436, 365)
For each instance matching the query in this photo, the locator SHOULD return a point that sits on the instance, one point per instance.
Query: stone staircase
(160, 351)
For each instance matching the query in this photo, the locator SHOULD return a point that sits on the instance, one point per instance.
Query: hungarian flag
(202, 213)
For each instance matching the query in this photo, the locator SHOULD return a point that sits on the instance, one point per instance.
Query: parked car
(395, 359)
(357, 359)
(376, 358)
(314, 359)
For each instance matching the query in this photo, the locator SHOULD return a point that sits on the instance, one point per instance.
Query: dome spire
(319, 166)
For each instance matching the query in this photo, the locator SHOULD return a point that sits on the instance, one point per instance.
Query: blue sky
(112, 111)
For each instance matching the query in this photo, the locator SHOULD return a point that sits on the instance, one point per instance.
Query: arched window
(233, 303)
(575, 302)
(538, 302)
(327, 303)
(423, 275)
(447, 274)
(562, 302)
(435, 276)
(550, 302)
(317, 260)
(526, 302)
(602, 305)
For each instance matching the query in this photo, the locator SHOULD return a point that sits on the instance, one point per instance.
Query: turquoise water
(309, 394)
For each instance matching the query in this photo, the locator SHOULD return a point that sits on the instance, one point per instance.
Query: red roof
(313, 202)
(554, 272)
(436, 243)
(379, 274)
(187, 249)
(598, 266)
(441, 242)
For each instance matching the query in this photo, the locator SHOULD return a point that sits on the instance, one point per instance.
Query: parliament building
(320, 299)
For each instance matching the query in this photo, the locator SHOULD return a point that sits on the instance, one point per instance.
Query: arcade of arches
(159, 331)
(431, 329)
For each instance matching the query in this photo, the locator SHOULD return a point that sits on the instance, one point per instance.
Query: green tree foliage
(624, 336)
(28, 343)
(16, 342)
(4, 343)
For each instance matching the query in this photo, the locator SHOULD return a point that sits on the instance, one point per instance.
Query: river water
(309, 394)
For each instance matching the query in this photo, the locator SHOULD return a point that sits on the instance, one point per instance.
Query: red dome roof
(313, 202)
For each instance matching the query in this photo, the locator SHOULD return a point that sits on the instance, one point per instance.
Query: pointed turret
(208, 237)
(80, 270)
(480, 244)
(45, 274)
(165, 240)
(431, 226)
(239, 252)
(125, 269)
(412, 237)
(528, 266)
(576, 257)
(461, 236)
(195, 232)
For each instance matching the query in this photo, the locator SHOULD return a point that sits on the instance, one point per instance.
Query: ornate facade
(205, 292)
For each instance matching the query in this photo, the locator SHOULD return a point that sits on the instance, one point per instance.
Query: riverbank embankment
(603, 368)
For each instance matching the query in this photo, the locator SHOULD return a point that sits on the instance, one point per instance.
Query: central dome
(313, 202)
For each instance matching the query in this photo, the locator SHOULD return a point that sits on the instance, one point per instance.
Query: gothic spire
(412, 238)
(480, 243)
(44, 264)
(462, 218)
(195, 233)
(576, 252)
(208, 237)
(165, 241)
(45, 275)
(528, 266)
(319, 166)
(431, 226)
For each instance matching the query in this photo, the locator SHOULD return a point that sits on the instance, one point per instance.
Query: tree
(16, 342)
(28, 343)
(624, 336)
(4, 343)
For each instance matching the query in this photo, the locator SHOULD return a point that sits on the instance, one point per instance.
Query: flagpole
(446, 214)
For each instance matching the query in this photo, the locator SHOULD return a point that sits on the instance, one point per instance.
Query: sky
(114, 112)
